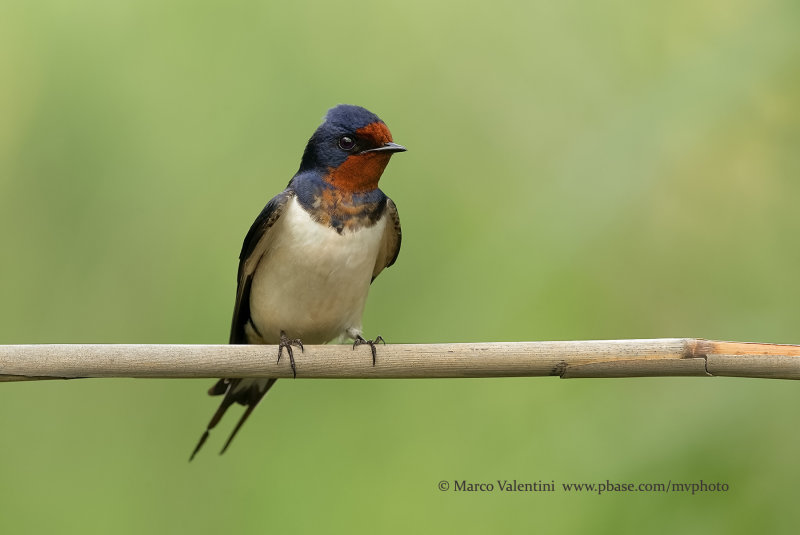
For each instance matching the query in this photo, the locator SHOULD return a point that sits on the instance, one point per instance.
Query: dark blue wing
(252, 250)
(392, 236)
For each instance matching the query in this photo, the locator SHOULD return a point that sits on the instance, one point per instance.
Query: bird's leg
(288, 343)
(371, 343)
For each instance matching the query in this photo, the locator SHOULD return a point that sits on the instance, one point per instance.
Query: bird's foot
(371, 343)
(288, 343)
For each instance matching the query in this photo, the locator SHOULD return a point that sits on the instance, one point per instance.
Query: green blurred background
(576, 170)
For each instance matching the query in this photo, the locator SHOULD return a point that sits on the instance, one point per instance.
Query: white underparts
(311, 281)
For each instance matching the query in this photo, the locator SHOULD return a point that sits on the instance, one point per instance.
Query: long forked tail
(247, 392)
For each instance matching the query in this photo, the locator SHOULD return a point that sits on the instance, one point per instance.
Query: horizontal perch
(596, 358)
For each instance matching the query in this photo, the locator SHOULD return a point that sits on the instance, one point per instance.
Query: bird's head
(351, 148)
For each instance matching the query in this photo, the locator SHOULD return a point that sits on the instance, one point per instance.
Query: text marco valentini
(504, 486)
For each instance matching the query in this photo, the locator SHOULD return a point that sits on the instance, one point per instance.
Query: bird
(309, 258)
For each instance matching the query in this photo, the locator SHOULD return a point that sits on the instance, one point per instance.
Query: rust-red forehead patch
(377, 131)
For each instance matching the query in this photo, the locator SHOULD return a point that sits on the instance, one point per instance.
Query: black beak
(387, 147)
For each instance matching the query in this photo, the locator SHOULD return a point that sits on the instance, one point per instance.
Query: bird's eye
(347, 143)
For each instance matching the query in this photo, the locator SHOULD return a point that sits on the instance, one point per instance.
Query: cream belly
(312, 282)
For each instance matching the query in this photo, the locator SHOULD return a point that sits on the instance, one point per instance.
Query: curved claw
(371, 343)
(288, 343)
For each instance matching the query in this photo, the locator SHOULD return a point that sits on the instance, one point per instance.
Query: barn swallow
(310, 256)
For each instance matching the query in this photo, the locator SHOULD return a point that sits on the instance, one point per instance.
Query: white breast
(312, 282)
